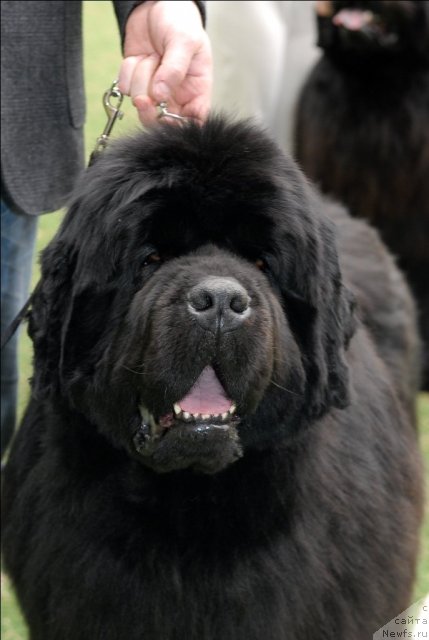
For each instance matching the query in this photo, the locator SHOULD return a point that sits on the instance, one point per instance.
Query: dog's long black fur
(191, 249)
(362, 128)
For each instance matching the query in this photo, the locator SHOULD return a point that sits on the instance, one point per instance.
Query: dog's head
(369, 28)
(191, 305)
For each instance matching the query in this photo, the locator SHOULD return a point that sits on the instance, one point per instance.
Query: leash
(22, 315)
(114, 113)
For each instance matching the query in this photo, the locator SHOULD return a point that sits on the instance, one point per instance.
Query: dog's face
(374, 27)
(191, 305)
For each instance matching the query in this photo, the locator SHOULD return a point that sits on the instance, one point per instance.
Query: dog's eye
(152, 258)
(261, 264)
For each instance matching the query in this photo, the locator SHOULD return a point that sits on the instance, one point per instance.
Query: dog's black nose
(219, 304)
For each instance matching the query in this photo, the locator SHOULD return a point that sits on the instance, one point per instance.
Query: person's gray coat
(42, 100)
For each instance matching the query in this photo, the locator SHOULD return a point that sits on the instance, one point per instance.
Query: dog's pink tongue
(352, 19)
(207, 396)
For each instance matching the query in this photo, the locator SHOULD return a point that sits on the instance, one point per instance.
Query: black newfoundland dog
(220, 443)
(363, 126)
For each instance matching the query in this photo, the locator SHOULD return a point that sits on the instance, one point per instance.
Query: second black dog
(363, 127)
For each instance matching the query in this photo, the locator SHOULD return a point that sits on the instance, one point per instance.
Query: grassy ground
(102, 59)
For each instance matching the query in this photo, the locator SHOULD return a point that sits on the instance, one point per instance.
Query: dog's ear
(84, 291)
(48, 310)
(85, 282)
(333, 325)
(322, 314)
(68, 321)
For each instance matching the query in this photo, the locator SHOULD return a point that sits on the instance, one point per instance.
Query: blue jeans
(18, 234)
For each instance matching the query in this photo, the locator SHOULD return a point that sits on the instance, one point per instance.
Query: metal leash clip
(113, 113)
(164, 113)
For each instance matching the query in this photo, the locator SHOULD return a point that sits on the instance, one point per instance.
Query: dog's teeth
(177, 409)
(232, 409)
(205, 416)
(196, 416)
(186, 415)
(224, 415)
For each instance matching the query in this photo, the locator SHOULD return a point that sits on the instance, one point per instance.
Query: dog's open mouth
(199, 432)
(354, 19)
(206, 405)
(365, 22)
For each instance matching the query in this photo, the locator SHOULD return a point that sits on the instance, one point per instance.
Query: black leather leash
(22, 315)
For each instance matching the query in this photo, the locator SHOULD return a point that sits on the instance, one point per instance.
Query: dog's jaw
(205, 446)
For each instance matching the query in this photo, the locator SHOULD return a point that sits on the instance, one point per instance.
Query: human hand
(167, 57)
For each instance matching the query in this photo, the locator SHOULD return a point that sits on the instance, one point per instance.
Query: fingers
(197, 109)
(126, 72)
(135, 79)
(170, 60)
(148, 83)
(173, 70)
(184, 78)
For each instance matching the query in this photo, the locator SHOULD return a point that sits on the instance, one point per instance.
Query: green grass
(102, 60)
(422, 583)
